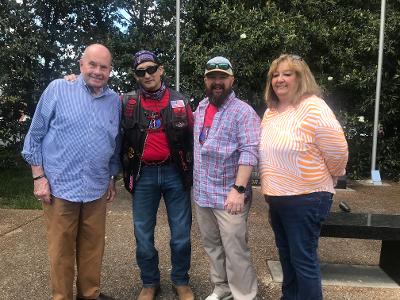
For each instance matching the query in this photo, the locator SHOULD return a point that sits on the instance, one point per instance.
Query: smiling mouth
(218, 91)
(96, 78)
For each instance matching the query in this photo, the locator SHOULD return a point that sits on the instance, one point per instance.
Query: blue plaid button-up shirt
(232, 141)
(74, 136)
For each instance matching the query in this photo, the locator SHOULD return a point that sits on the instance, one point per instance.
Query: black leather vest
(134, 132)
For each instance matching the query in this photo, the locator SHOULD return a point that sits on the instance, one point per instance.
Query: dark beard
(218, 100)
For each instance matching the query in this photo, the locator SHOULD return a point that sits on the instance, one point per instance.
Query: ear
(111, 69)
(161, 70)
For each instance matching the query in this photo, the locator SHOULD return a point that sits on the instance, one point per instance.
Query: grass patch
(16, 189)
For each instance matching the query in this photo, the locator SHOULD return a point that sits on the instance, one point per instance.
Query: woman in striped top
(302, 152)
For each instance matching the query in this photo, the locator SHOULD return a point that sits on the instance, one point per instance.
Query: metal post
(178, 35)
(375, 176)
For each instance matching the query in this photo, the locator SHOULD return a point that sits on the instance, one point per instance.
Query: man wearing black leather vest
(157, 158)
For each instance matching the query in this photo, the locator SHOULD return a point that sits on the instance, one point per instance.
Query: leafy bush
(12, 131)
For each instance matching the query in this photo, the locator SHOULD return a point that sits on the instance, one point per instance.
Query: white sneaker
(214, 296)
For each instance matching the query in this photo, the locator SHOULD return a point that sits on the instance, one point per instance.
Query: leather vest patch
(130, 108)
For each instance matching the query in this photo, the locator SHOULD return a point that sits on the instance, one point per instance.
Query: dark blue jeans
(154, 182)
(296, 221)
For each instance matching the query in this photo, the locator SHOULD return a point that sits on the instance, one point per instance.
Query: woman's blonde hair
(307, 85)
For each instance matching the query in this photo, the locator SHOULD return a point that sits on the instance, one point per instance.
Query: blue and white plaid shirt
(232, 141)
(74, 136)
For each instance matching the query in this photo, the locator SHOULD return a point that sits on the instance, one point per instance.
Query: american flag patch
(177, 103)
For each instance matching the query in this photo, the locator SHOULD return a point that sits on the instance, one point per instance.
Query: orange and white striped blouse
(301, 149)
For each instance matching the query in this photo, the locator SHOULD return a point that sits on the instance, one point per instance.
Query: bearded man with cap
(157, 159)
(226, 137)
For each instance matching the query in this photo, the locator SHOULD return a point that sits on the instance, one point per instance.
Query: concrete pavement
(24, 269)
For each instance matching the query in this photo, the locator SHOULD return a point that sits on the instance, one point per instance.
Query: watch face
(241, 189)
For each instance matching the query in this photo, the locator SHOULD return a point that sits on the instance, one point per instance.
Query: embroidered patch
(177, 103)
(155, 124)
(179, 110)
(130, 108)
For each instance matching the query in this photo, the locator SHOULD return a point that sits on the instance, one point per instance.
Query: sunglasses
(221, 66)
(150, 70)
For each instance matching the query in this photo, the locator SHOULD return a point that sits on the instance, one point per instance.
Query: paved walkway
(24, 270)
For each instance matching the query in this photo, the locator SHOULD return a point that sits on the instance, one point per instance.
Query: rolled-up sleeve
(332, 143)
(249, 137)
(45, 109)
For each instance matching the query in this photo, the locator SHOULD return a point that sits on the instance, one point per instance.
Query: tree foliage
(41, 40)
(338, 39)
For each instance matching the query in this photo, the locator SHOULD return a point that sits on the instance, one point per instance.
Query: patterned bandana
(143, 56)
(157, 95)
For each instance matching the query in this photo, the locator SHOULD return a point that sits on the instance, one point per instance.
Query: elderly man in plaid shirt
(226, 137)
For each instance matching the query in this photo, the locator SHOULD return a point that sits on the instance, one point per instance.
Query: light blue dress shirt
(74, 136)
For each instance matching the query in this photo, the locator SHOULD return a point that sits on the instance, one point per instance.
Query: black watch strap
(38, 177)
(240, 188)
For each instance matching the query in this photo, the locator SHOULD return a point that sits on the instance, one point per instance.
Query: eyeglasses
(221, 66)
(150, 70)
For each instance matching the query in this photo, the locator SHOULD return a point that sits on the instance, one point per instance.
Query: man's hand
(111, 192)
(41, 190)
(234, 202)
(70, 77)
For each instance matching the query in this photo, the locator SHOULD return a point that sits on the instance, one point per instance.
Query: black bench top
(362, 226)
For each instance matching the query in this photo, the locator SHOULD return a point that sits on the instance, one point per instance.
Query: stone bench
(385, 228)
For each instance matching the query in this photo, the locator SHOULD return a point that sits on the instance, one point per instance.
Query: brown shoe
(184, 292)
(148, 293)
(104, 297)
(100, 297)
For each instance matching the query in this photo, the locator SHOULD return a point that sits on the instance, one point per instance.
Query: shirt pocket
(105, 134)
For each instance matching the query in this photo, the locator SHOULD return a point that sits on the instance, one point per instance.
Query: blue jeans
(154, 182)
(296, 221)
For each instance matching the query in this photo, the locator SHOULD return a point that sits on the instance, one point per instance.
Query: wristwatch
(240, 188)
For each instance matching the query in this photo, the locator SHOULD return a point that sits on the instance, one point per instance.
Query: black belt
(157, 163)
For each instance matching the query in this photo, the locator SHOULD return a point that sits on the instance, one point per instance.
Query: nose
(97, 70)
(218, 80)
